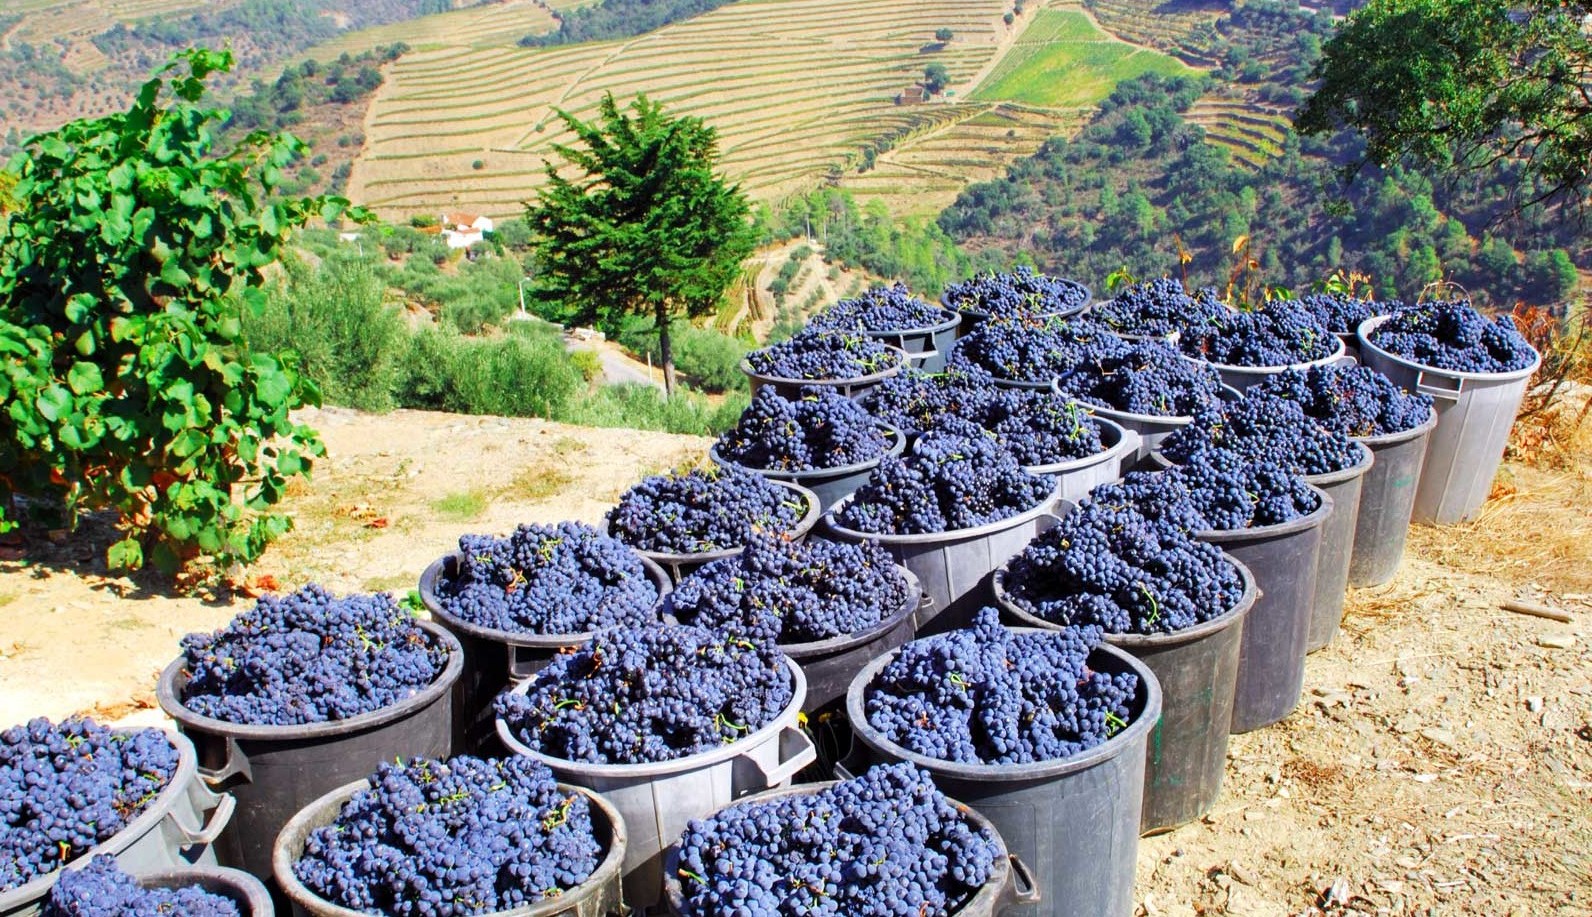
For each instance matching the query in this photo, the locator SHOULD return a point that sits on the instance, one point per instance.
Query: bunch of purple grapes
(885, 844)
(1109, 565)
(990, 695)
(1351, 400)
(451, 838)
(956, 477)
(879, 309)
(1032, 349)
(101, 889)
(66, 788)
(786, 593)
(1158, 308)
(640, 695)
(1039, 427)
(308, 657)
(819, 355)
(818, 429)
(1270, 430)
(1452, 335)
(1342, 314)
(1217, 490)
(1021, 293)
(567, 578)
(1282, 333)
(1146, 378)
(705, 509)
(913, 401)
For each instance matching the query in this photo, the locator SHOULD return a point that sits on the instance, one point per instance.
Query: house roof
(461, 219)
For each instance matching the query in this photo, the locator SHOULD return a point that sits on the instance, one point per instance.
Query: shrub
(514, 375)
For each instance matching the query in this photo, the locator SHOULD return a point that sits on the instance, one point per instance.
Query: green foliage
(514, 375)
(1459, 83)
(644, 407)
(348, 341)
(129, 386)
(936, 77)
(645, 227)
(709, 358)
(613, 19)
(943, 35)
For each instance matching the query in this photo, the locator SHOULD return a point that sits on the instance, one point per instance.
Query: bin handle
(842, 772)
(1024, 890)
(236, 765)
(519, 667)
(1131, 442)
(1442, 392)
(220, 816)
(801, 753)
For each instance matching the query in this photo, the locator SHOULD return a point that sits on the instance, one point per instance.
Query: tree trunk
(665, 350)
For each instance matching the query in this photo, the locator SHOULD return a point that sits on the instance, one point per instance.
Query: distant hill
(66, 59)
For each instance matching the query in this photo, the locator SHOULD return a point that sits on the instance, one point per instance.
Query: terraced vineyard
(795, 87)
(1174, 26)
(1252, 133)
(1062, 59)
(483, 26)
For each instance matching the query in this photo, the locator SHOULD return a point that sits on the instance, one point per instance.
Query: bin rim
(183, 777)
(433, 574)
(949, 318)
(1147, 719)
(1105, 425)
(1338, 349)
(282, 869)
(1377, 440)
(898, 445)
(1045, 506)
(1370, 325)
(1259, 532)
(172, 679)
(588, 769)
(1136, 641)
(902, 358)
(803, 526)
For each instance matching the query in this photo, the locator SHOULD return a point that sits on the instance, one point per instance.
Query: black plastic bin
(1198, 672)
(495, 659)
(273, 771)
(1337, 547)
(1387, 500)
(237, 886)
(1074, 821)
(1271, 662)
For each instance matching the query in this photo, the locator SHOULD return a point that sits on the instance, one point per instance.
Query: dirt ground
(1440, 763)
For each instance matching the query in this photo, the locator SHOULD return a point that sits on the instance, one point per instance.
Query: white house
(462, 230)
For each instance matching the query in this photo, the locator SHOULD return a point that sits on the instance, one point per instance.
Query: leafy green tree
(936, 77)
(127, 384)
(943, 35)
(645, 226)
(1464, 83)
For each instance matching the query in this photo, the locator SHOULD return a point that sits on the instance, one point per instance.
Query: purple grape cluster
(1039, 427)
(1020, 293)
(67, 788)
(567, 578)
(1452, 335)
(885, 844)
(451, 838)
(990, 695)
(1109, 565)
(913, 401)
(307, 657)
(820, 355)
(101, 889)
(786, 593)
(705, 509)
(818, 429)
(879, 309)
(1270, 430)
(1147, 378)
(640, 695)
(1342, 314)
(1352, 400)
(956, 477)
(1280, 334)
(1031, 349)
(1157, 308)
(1220, 490)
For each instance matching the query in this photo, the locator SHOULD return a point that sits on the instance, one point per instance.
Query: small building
(462, 230)
(912, 95)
